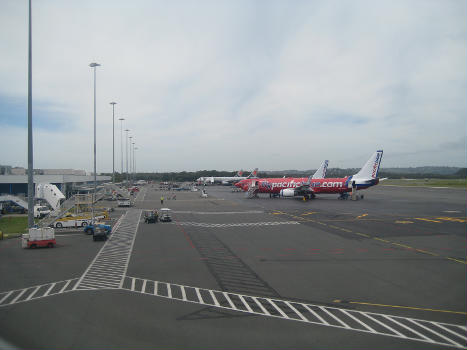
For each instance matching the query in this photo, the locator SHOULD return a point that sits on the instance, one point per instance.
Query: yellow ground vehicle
(79, 220)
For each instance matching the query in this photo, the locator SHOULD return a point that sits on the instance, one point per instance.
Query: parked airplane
(309, 187)
(226, 180)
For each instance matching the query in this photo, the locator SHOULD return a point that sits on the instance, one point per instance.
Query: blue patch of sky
(14, 113)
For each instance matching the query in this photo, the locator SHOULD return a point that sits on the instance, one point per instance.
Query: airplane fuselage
(328, 185)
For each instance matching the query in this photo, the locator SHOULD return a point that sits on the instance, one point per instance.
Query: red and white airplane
(309, 187)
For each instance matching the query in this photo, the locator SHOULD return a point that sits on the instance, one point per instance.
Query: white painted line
(93, 285)
(449, 330)
(357, 320)
(18, 296)
(226, 296)
(436, 333)
(200, 298)
(245, 303)
(409, 329)
(384, 325)
(64, 287)
(169, 291)
(334, 317)
(183, 293)
(6, 296)
(48, 290)
(261, 306)
(99, 278)
(32, 294)
(155, 287)
(314, 313)
(143, 288)
(277, 308)
(296, 311)
(132, 284)
(214, 298)
(131, 247)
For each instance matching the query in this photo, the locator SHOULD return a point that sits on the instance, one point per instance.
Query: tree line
(189, 176)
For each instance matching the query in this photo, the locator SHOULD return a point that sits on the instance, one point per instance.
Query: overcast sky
(236, 84)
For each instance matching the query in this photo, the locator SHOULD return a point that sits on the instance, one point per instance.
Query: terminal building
(14, 180)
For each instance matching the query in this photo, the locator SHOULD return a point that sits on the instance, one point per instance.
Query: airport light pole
(130, 159)
(94, 65)
(121, 141)
(30, 145)
(113, 140)
(134, 162)
(126, 148)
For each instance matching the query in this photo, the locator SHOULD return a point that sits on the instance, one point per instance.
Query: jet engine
(288, 192)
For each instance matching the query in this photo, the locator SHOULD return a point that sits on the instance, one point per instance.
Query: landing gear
(343, 196)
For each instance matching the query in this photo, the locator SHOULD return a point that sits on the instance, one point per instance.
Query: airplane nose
(238, 184)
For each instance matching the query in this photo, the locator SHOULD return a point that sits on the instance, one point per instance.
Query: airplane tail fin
(253, 174)
(239, 173)
(321, 172)
(371, 167)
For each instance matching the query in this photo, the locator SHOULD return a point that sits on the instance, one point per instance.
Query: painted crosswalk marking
(109, 267)
(236, 224)
(361, 321)
(36, 292)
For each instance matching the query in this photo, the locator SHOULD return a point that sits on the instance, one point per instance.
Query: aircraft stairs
(252, 191)
(15, 199)
(75, 200)
(112, 188)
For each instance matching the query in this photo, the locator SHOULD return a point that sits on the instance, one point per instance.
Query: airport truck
(40, 211)
(124, 202)
(39, 237)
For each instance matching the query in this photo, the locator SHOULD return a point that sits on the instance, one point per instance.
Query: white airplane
(226, 180)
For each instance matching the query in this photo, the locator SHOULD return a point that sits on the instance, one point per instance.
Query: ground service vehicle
(39, 237)
(151, 216)
(89, 229)
(165, 215)
(124, 202)
(40, 211)
(77, 221)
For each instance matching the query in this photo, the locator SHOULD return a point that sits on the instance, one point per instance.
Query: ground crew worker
(162, 200)
(354, 190)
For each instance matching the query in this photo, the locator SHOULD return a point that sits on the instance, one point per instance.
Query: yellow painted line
(337, 228)
(322, 223)
(309, 213)
(423, 219)
(362, 234)
(459, 261)
(424, 251)
(362, 216)
(402, 245)
(409, 307)
(403, 222)
(452, 219)
(382, 240)
(344, 229)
